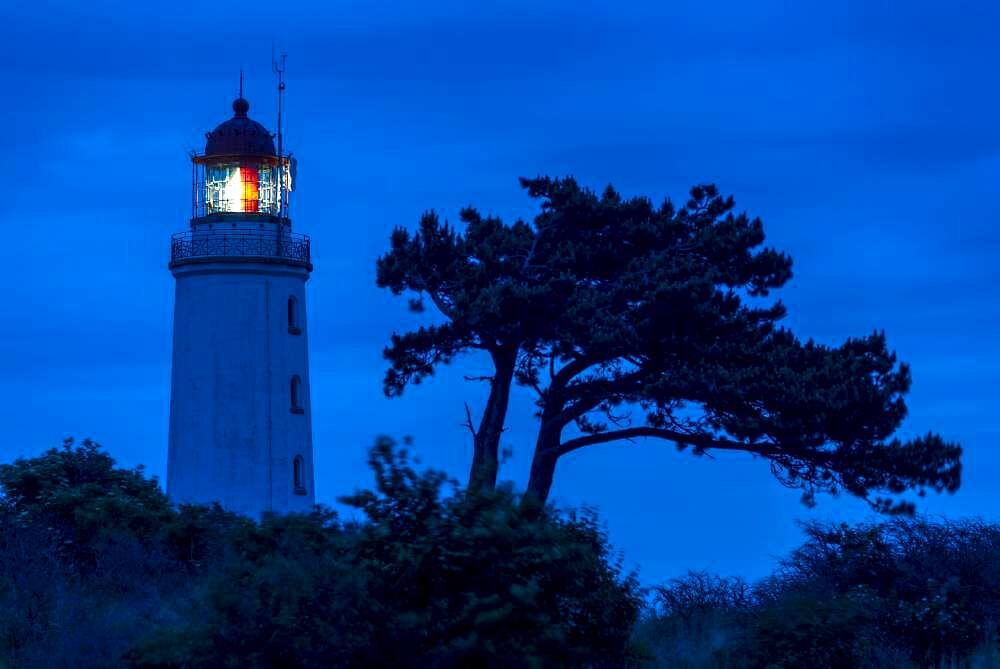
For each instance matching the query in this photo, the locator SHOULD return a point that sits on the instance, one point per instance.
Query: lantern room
(240, 173)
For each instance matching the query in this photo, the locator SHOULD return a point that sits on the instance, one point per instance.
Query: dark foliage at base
(98, 570)
(909, 593)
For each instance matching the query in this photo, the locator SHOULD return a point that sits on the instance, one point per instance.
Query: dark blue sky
(865, 134)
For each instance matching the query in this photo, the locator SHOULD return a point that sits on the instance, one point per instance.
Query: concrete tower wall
(234, 431)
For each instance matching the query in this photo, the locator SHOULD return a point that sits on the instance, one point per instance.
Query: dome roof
(240, 135)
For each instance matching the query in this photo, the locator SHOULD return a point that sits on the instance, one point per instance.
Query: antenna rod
(279, 69)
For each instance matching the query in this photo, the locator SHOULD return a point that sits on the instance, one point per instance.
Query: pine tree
(630, 320)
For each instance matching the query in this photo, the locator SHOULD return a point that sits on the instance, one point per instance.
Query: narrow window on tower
(296, 391)
(293, 316)
(298, 475)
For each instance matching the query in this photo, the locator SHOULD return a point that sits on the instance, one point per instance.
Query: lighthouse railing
(240, 244)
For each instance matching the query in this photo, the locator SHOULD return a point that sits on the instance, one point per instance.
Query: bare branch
(468, 422)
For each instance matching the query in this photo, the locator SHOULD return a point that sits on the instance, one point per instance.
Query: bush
(84, 500)
(802, 629)
(908, 593)
(697, 621)
(82, 570)
(933, 587)
(93, 556)
(97, 569)
(456, 580)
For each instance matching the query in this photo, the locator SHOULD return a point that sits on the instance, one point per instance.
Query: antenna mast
(278, 67)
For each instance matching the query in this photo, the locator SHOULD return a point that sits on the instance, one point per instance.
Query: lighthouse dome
(240, 135)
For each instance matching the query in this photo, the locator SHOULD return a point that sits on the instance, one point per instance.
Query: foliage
(699, 620)
(803, 629)
(631, 320)
(476, 576)
(82, 568)
(78, 494)
(426, 579)
(908, 593)
(429, 575)
(935, 587)
(284, 597)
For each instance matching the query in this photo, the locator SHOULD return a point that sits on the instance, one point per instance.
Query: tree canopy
(632, 320)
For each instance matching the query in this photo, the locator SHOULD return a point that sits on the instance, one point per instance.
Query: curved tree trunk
(486, 445)
(543, 470)
(543, 464)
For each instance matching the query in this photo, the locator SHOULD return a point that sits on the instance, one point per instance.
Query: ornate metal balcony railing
(203, 245)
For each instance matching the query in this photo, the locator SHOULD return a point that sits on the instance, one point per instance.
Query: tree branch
(441, 305)
(591, 394)
(700, 441)
(569, 370)
(468, 422)
(420, 285)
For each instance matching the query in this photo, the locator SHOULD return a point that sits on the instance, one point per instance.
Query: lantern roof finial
(241, 107)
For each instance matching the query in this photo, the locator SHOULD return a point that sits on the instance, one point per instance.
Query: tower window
(293, 316)
(296, 395)
(298, 474)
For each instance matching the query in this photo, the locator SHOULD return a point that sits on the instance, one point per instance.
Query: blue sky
(864, 134)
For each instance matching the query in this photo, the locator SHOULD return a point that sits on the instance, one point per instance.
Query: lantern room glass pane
(240, 188)
(267, 190)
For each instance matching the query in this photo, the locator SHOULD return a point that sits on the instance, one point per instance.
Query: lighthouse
(240, 419)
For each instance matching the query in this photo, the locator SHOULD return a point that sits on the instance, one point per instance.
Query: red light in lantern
(251, 194)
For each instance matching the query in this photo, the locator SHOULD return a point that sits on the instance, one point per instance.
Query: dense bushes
(909, 593)
(424, 579)
(84, 501)
(82, 566)
(97, 569)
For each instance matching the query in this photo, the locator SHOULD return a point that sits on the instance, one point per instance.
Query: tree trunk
(486, 445)
(543, 464)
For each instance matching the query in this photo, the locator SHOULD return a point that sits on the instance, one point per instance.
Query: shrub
(907, 593)
(698, 620)
(86, 502)
(427, 579)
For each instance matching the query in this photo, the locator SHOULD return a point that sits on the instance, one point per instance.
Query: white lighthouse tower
(240, 420)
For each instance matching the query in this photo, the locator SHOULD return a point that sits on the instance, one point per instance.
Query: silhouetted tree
(630, 320)
(477, 281)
